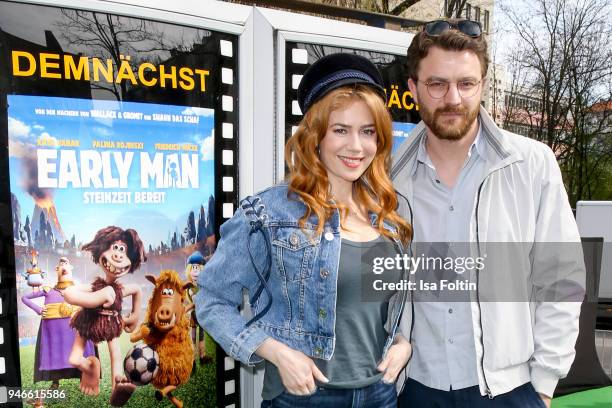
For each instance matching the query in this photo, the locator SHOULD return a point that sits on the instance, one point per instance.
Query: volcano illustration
(45, 209)
(45, 225)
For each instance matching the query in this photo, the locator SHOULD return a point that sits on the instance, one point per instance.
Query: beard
(445, 131)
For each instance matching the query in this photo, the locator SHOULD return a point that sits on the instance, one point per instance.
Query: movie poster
(113, 218)
(401, 131)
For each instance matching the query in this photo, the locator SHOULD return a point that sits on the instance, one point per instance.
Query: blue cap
(336, 70)
(196, 258)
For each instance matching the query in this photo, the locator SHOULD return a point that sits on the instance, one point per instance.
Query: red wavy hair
(307, 175)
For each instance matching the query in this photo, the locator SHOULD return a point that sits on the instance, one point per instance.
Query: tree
(16, 217)
(201, 235)
(120, 39)
(174, 242)
(394, 8)
(565, 62)
(41, 233)
(210, 220)
(454, 8)
(513, 111)
(28, 230)
(190, 229)
(106, 36)
(50, 242)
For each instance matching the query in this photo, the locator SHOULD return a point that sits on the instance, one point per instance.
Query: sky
(503, 36)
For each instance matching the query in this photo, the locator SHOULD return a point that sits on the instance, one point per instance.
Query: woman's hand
(298, 372)
(396, 359)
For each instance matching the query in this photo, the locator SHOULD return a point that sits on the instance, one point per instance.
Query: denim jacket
(290, 274)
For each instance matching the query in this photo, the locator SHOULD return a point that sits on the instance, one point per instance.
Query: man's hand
(547, 400)
(396, 359)
(298, 372)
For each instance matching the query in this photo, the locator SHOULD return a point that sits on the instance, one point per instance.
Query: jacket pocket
(294, 251)
(509, 344)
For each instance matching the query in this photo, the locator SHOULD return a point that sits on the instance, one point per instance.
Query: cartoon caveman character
(117, 252)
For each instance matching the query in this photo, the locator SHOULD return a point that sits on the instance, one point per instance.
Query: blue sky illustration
(152, 221)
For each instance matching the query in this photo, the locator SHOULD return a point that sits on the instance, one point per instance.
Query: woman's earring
(318, 150)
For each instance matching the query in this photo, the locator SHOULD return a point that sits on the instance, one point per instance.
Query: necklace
(63, 285)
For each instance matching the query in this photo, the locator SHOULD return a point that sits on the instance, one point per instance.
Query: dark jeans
(418, 395)
(377, 395)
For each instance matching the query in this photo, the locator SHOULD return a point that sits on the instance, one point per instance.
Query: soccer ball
(141, 364)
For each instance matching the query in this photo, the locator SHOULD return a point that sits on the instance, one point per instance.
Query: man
(462, 179)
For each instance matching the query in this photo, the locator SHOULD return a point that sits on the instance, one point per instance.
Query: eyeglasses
(439, 89)
(468, 27)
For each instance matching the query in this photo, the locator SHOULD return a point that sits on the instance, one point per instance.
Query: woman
(297, 248)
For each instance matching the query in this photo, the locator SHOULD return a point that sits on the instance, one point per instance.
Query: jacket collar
(334, 220)
(476, 148)
(374, 218)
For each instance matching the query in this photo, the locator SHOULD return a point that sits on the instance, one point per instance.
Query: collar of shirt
(423, 156)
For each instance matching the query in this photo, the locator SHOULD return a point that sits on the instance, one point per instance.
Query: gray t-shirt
(360, 333)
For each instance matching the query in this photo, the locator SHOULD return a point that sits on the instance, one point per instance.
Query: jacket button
(324, 273)
(318, 351)
(294, 240)
(322, 313)
(329, 236)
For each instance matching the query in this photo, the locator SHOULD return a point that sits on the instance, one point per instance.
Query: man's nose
(452, 97)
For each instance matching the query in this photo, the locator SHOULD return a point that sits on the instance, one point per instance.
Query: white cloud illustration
(102, 131)
(19, 149)
(207, 147)
(17, 128)
(48, 139)
(204, 112)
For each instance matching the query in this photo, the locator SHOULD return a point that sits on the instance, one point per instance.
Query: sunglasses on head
(467, 27)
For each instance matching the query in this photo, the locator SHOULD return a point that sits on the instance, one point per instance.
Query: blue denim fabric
(377, 395)
(418, 395)
(301, 285)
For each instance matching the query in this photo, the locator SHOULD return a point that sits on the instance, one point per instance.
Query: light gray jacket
(521, 200)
